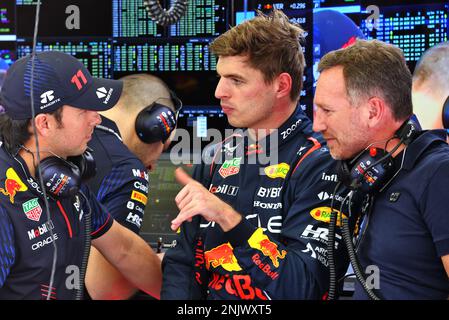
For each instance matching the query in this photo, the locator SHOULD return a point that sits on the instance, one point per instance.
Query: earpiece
(373, 167)
(445, 113)
(62, 178)
(407, 131)
(157, 121)
(368, 172)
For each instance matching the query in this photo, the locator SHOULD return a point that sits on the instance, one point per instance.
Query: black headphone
(373, 167)
(62, 178)
(157, 121)
(445, 113)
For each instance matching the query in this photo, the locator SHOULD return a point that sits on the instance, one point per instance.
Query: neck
(390, 146)
(280, 114)
(122, 122)
(29, 155)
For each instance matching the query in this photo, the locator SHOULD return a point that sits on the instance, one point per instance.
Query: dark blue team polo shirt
(408, 230)
(26, 241)
(121, 183)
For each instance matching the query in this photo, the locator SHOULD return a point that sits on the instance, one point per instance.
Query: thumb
(182, 177)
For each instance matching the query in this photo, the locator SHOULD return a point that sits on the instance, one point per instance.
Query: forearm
(131, 255)
(142, 267)
(104, 281)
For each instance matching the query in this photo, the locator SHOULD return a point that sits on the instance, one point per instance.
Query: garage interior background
(114, 38)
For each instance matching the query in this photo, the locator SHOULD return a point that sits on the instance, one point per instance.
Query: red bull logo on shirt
(223, 256)
(13, 184)
(261, 242)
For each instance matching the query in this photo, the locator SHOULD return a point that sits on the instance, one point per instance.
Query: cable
(87, 242)
(162, 16)
(330, 248)
(353, 257)
(33, 115)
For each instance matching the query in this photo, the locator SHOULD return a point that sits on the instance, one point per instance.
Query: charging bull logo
(261, 242)
(13, 184)
(223, 256)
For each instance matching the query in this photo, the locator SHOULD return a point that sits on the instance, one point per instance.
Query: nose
(319, 124)
(220, 90)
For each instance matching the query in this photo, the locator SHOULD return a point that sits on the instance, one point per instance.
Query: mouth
(226, 109)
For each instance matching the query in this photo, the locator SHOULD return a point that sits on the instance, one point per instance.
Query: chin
(336, 155)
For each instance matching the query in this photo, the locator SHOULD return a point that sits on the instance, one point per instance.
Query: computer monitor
(161, 208)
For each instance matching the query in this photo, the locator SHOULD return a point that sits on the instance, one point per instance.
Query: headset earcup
(155, 123)
(60, 179)
(408, 131)
(86, 164)
(445, 113)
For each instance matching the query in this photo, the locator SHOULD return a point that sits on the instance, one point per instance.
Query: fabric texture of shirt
(121, 183)
(278, 250)
(408, 228)
(26, 241)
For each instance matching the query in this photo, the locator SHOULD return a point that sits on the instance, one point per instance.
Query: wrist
(229, 219)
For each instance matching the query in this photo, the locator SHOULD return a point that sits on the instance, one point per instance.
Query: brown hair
(374, 68)
(272, 44)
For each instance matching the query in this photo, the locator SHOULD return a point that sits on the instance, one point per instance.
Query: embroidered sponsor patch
(135, 195)
(32, 209)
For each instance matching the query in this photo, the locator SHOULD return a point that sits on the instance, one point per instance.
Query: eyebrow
(231, 75)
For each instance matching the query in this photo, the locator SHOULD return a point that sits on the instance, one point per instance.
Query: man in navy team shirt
(66, 101)
(363, 97)
(121, 183)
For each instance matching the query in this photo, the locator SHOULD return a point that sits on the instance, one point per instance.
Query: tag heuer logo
(101, 92)
(32, 209)
(230, 167)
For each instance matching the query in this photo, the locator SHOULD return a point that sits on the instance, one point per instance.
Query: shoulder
(312, 156)
(108, 148)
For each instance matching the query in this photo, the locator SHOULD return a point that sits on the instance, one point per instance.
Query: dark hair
(15, 133)
(272, 44)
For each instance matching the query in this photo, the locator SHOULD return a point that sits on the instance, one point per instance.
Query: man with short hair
(430, 90)
(362, 107)
(44, 255)
(252, 229)
(126, 154)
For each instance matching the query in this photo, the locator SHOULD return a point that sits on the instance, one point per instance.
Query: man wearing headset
(362, 105)
(430, 90)
(127, 143)
(43, 248)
